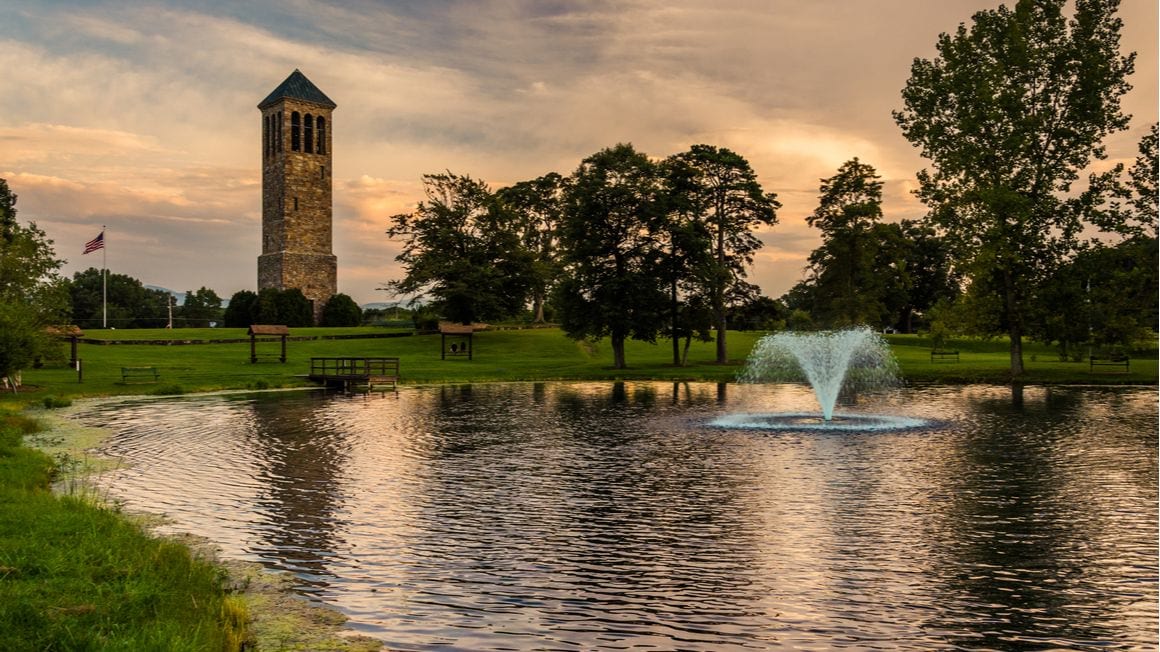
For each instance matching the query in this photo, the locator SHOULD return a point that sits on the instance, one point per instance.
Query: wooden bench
(1121, 361)
(140, 374)
(944, 356)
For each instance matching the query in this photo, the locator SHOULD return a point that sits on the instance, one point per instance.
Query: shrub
(294, 309)
(240, 312)
(939, 334)
(51, 402)
(341, 310)
(168, 390)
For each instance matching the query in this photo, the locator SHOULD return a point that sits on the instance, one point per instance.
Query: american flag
(94, 244)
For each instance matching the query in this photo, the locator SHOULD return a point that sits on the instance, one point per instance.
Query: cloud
(35, 142)
(143, 116)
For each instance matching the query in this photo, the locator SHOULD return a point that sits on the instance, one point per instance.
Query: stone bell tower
(297, 215)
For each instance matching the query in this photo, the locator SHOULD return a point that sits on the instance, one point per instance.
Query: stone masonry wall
(297, 214)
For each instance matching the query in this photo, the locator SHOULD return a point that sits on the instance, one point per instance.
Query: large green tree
(760, 313)
(200, 308)
(536, 208)
(930, 275)
(1105, 297)
(845, 271)
(129, 303)
(611, 239)
(687, 264)
(461, 247)
(287, 307)
(725, 196)
(1144, 175)
(1010, 113)
(32, 293)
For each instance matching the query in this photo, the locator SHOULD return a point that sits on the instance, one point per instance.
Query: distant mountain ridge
(178, 297)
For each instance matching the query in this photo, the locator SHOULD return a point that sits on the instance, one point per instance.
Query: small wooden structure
(266, 330)
(460, 338)
(72, 334)
(352, 372)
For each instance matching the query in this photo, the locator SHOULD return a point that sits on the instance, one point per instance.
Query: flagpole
(104, 281)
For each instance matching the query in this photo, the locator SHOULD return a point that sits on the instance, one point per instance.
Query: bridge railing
(353, 367)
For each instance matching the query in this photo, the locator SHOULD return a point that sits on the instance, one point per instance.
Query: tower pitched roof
(298, 87)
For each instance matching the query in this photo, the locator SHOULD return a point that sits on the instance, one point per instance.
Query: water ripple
(614, 516)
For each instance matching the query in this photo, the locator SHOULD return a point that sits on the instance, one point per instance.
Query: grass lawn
(501, 355)
(76, 576)
(989, 361)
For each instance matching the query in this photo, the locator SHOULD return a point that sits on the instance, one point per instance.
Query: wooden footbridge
(349, 373)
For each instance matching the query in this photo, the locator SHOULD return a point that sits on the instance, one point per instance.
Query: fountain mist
(855, 359)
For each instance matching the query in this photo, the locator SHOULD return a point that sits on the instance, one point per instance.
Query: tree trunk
(618, 352)
(538, 309)
(688, 343)
(1016, 352)
(722, 355)
(675, 308)
(1014, 326)
(720, 282)
(719, 319)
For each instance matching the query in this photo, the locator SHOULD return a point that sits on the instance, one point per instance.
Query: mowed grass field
(499, 355)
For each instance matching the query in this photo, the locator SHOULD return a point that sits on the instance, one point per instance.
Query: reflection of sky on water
(599, 515)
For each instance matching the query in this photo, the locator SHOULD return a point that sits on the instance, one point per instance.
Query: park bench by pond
(940, 355)
(140, 374)
(1117, 361)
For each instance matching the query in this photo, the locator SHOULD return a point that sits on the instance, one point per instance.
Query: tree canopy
(1144, 175)
(461, 247)
(200, 308)
(847, 268)
(239, 313)
(127, 302)
(611, 244)
(341, 310)
(536, 209)
(1105, 297)
(611, 250)
(1010, 113)
(722, 194)
(32, 293)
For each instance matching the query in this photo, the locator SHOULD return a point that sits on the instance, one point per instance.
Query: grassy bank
(76, 576)
(542, 354)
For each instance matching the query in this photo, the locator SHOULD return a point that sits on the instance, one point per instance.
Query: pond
(565, 516)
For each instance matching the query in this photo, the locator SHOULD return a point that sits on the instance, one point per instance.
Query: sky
(142, 116)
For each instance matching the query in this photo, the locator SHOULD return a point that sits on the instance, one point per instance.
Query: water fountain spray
(855, 359)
